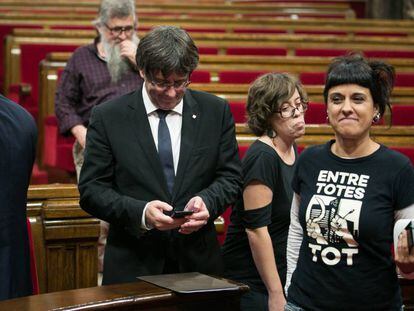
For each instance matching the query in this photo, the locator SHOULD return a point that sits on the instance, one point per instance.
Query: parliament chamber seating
(66, 236)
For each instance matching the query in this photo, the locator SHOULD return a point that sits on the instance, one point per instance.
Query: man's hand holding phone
(155, 216)
(198, 218)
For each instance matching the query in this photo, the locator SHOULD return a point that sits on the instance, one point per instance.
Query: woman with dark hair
(348, 193)
(255, 246)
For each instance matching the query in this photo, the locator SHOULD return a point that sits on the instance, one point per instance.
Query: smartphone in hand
(410, 234)
(178, 214)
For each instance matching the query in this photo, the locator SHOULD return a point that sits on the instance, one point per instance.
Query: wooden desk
(129, 296)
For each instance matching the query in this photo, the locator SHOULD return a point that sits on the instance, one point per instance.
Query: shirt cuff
(143, 223)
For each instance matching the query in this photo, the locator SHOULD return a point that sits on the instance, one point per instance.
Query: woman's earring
(271, 133)
(327, 117)
(376, 118)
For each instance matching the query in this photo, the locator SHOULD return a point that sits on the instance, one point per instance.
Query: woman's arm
(294, 240)
(257, 195)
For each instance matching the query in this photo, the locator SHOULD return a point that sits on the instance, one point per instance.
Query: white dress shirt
(174, 122)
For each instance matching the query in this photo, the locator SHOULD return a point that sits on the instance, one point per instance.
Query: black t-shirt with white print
(347, 215)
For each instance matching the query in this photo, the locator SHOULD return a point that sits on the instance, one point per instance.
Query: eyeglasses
(164, 85)
(117, 31)
(289, 111)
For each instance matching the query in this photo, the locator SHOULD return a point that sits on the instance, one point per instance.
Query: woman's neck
(352, 148)
(283, 147)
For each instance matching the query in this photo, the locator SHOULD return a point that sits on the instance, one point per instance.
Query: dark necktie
(165, 149)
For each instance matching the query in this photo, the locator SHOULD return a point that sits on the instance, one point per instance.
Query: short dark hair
(115, 9)
(167, 49)
(266, 95)
(354, 68)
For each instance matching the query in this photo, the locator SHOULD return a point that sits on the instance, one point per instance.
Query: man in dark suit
(18, 135)
(161, 148)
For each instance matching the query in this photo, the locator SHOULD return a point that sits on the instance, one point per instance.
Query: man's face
(117, 30)
(112, 34)
(166, 92)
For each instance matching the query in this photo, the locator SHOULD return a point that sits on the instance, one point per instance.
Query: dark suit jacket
(18, 136)
(122, 173)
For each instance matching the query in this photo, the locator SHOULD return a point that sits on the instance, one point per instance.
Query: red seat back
(33, 268)
(316, 114)
(238, 109)
(403, 115)
(200, 76)
(404, 79)
(321, 52)
(312, 78)
(256, 51)
(239, 77)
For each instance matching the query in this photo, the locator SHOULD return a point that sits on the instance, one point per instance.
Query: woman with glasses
(255, 246)
(348, 193)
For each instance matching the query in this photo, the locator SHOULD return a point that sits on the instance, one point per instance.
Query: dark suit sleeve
(226, 186)
(97, 186)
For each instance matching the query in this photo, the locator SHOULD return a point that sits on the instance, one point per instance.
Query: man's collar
(151, 108)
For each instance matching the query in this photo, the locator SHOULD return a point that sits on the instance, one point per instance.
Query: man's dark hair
(167, 49)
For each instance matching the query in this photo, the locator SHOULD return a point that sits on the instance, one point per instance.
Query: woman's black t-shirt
(261, 163)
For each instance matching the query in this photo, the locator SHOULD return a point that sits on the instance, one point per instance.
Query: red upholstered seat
(256, 51)
(39, 177)
(200, 76)
(403, 115)
(389, 54)
(238, 109)
(57, 149)
(233, 76)
(33, 269)
(407, 151)
(404, 79)
(321, 32)
(4, 31)
(207, 50)
(320, 52)
(381, 33)
(30, 57)
(258, 30)
(243, 150)
(210, 30)
(316, 114)
(312, 78)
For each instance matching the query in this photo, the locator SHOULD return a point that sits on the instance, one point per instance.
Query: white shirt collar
(151, 108)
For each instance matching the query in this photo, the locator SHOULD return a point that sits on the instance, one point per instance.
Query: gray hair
(115, 9)
(167, 49)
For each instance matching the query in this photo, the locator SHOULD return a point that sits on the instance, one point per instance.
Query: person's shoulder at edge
(11, 107)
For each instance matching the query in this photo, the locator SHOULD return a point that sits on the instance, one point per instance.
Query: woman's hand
(276, 302)
(404, 256)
